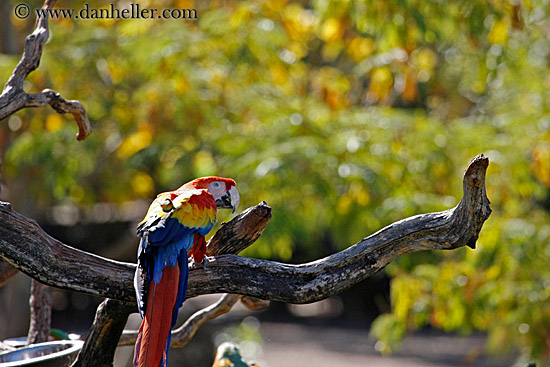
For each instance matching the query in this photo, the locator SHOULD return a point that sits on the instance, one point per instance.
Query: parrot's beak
(230, 200)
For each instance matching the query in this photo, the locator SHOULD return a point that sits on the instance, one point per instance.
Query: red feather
(199, 248)
(154, 330)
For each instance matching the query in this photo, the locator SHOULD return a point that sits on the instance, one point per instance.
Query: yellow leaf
(331, 30)
(499, 31)
(189, 143)
(360, 48)
(493, 272)
(332, 50)
(204, 164)
(142, 184)
(54, 122)
(381, 82)
(359, 193)
(135, 27)
(427, 59)
(135, 142)
(344, 204)
(279, 75)
(77, 193)
(185, 4)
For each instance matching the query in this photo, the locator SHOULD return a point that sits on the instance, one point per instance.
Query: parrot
(172, 231)
(229, 355)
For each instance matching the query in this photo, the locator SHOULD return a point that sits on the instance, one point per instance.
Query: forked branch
(14, 97)
(24, 245)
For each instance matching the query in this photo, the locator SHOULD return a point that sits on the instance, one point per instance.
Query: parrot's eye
(216, 184)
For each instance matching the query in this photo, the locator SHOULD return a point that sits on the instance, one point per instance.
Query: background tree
(370, 108)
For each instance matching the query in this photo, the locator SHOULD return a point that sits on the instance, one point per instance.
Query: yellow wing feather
(195, 209)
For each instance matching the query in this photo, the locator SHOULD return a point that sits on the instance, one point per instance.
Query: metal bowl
(51, 354)
(14, 343)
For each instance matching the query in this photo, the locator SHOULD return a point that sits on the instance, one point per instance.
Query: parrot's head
(223, 190)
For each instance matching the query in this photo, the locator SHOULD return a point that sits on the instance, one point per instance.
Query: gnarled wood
(100, 345)
(254, 304)
(14, 97)
(235, 238)
(24, 245)
(40, 304)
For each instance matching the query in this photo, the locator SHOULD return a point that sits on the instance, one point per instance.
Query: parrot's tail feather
(155, 327)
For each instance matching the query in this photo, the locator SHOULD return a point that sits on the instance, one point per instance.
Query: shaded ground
(316, 342)
(291, 345)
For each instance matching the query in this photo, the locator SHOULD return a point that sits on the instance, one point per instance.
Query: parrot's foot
(193, 264)
(207, 260)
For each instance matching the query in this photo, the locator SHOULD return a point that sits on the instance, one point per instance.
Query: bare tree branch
(326, 277)
(41, 313)
(182, 335)
(254, 304)
(242, 233)
(24, 245)
(14, 97)
(100, 345)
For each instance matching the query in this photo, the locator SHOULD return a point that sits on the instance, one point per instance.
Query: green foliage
(246, 335)
(343, 116)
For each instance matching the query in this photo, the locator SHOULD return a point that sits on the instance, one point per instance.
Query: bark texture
(14, 97)
(25, 246)
(242, 233)
(100, 345)
(41, 313)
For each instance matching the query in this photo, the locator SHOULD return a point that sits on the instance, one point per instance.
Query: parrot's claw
(193, 264)
(206, 260)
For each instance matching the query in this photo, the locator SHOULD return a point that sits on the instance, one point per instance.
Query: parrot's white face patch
(224, 198)
(217, 189)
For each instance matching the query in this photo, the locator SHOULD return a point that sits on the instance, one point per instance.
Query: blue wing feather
(159, 236)
(170, 243)
(165, 241)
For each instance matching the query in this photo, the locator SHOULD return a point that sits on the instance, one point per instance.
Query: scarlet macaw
(173, 230)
